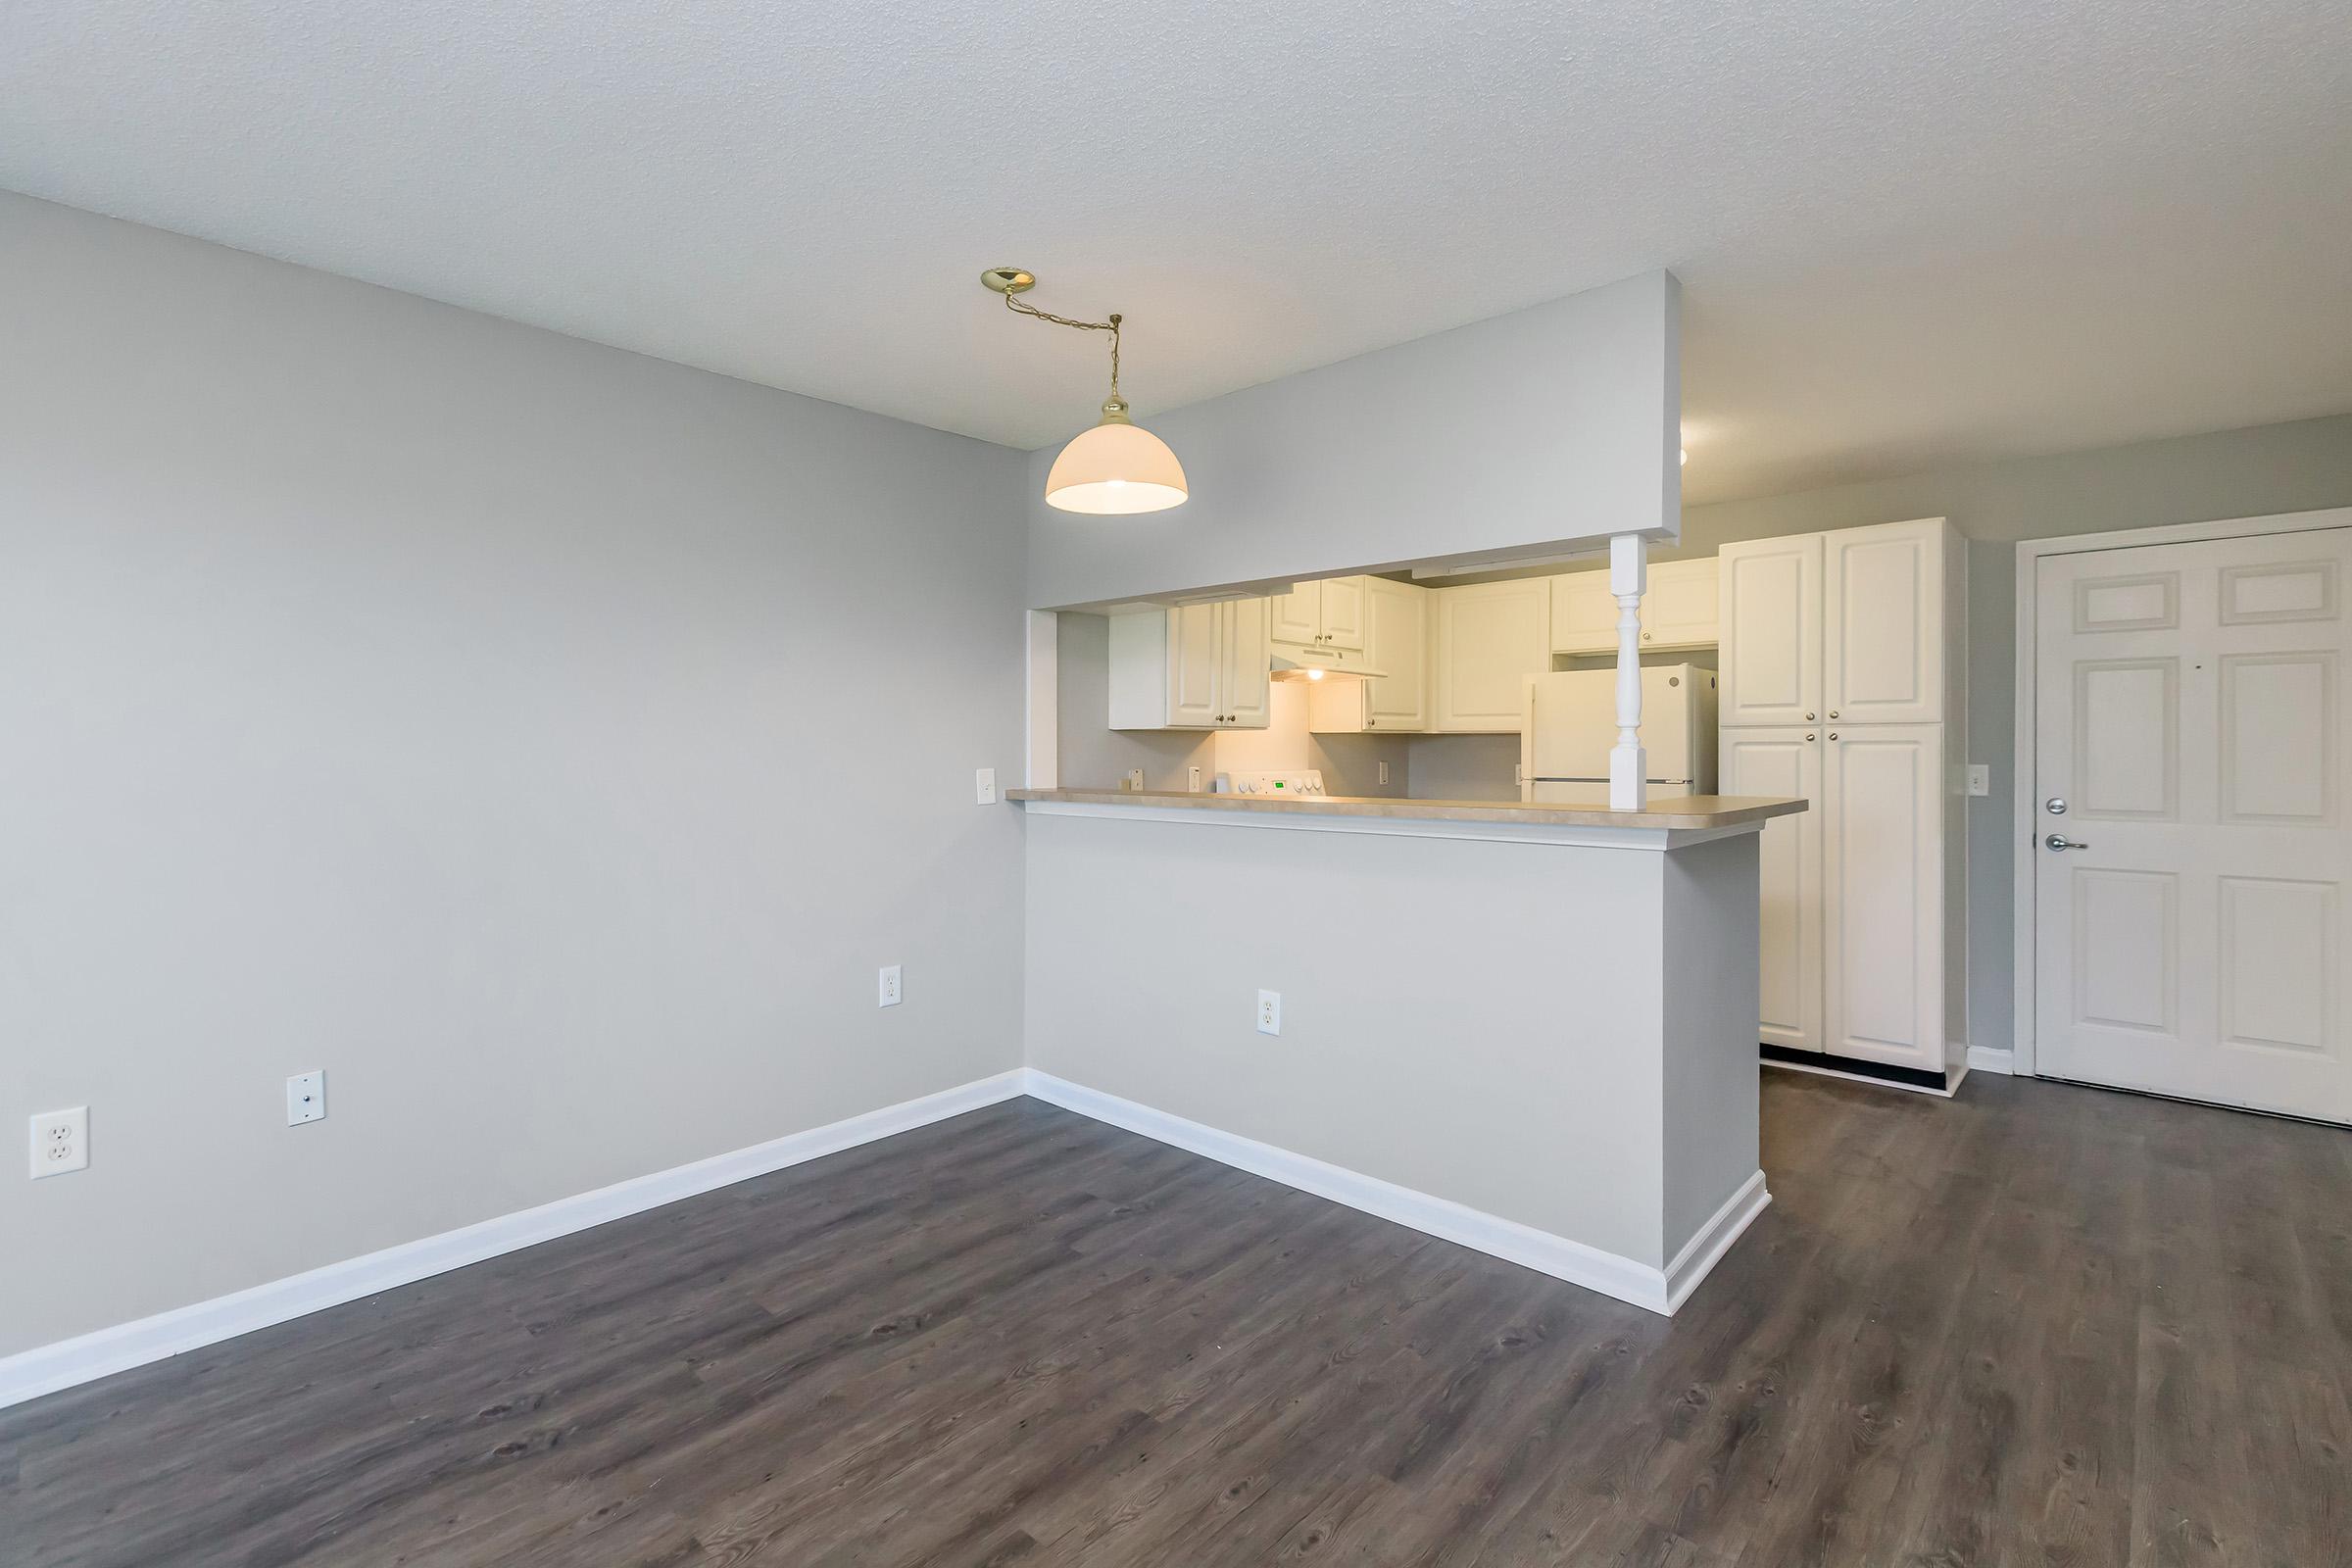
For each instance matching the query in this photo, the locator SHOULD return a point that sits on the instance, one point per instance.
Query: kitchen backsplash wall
(1094, 753)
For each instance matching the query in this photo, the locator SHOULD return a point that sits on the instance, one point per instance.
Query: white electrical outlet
(1384, 772)
(306, 1097)
(984, 785)
(1980, 778)
(61, 1142)
(1269, 1012)
(891, 995)
(1134, 778)
(1192, 780)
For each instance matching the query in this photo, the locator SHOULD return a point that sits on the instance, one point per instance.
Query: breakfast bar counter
(1527, 1028)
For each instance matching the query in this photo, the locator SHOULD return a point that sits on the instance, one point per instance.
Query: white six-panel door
(1772, 631)
(1882, 901)
(1765, 761)
(2192, 714)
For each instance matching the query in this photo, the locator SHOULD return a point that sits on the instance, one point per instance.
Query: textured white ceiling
(1909, 233)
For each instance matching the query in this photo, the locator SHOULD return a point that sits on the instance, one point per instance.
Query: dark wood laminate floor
(2035, 1325)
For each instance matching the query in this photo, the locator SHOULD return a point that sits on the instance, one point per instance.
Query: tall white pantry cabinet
(1844, 681)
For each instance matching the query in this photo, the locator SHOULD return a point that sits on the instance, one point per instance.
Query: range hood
(1294, 662)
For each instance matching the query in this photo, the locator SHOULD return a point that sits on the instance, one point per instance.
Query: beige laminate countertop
(1679, 811)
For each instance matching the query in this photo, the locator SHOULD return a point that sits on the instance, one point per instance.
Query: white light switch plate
(890, 995)
(306, 1097)
(984, 785)
(1980, 778)
(61, 1142)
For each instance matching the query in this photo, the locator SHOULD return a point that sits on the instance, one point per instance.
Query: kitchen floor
(2033, 1324)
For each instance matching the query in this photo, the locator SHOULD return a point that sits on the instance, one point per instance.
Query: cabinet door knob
(1832, 712)
(1832, 734)
(1808, 719)
(1809, 735)
(1645, 636)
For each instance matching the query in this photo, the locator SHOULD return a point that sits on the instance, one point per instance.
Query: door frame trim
(2024, 939)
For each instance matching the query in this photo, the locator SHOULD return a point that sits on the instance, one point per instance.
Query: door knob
(2055, 805)
(2059, 841)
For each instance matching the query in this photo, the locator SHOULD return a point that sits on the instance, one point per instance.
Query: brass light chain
(1015, 303)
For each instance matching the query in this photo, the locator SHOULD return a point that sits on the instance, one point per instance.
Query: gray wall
(2236, 474)
(1552, 423)
(545, 741)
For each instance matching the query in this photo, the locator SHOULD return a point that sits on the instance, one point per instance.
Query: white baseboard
(1658, 1290)
(1699, 1254)
(47, 1368)
(1992, 1059)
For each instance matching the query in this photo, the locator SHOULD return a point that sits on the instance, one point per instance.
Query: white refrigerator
(1570, 723)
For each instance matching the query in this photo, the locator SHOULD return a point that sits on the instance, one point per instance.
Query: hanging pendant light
(1118, 467)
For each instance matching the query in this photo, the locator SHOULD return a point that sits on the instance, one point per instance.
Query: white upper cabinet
(1298, 615)
(1682, 608)
(1396, 641)
(1195, 658)
(1883, 634)
(1489, 637)
(1343, 614)
(1678, 612)
(1772, 631)
(1848, 627)
(1329, 613)
(1247, 703)
(1583, 612)
(1196, 666)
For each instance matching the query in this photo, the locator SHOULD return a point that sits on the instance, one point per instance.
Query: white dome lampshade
(1115, 469)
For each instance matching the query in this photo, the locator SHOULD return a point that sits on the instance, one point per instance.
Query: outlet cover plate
(306, 1097)
(1980, 778)
(984, 785)
(61, 1142)
(1269, 1012)
(889, 993)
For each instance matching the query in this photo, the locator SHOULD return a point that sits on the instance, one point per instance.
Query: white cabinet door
(1681, 607)
(1883, 637)
(1298, 615)
(1785, 762)
(1771, 631)
(1396, 640)
(1344, 612)
(1881, 907)
(1490, 638)
(1243, 679)
(1584, 613)
(1197, 655)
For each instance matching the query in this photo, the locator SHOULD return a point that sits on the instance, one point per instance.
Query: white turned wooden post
(1629, 764)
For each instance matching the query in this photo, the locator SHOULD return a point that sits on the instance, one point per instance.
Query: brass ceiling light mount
(1118, 467)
